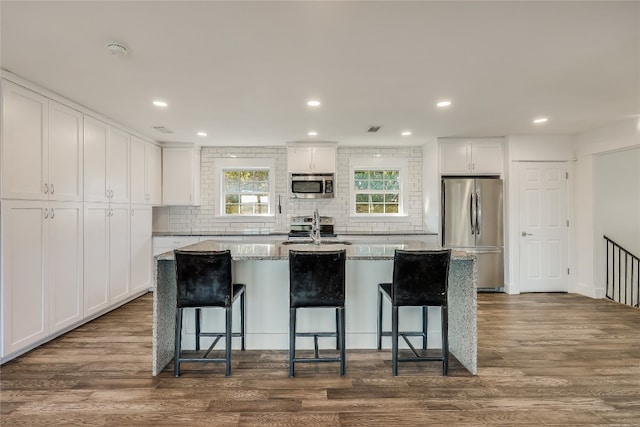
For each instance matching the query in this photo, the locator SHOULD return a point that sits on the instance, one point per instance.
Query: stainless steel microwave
(311, 185)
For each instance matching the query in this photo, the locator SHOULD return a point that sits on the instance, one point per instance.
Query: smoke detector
(117, 48)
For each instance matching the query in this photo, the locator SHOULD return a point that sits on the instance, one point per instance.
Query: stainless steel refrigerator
(472, 221)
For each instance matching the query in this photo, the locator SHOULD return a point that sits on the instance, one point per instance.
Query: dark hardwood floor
(545, 359)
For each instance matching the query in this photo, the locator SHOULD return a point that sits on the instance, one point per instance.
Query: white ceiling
(243, 71)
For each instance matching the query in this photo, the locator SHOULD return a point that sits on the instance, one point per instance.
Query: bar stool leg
(425, 326)
(337, 329)
(342, 341)
(394, 340)
(445, 340)
(178, 342)
(228, 340)
(243, 328)
(292, 341)
(379, 319)
(197, 314)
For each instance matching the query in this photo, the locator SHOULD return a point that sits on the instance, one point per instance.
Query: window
(377, 187)
(246, 187)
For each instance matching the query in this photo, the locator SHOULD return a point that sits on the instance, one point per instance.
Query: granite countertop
(275, 234)
(278, 249)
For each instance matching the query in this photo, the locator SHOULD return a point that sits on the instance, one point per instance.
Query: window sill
(379, 218)
(245, 218)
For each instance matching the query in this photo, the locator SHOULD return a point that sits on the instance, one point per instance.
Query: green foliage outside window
(246, 192)
(377, 191)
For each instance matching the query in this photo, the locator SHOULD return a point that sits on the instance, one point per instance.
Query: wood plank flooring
(545, 359)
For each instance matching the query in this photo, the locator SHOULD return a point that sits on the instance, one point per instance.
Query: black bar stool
(420, 279)
(316, 279)
(204, 279)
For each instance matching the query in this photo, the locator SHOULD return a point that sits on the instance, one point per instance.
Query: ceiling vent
(162, 129)
(117, 48)
(374, 129)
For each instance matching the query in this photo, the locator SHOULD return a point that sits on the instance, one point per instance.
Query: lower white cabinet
(106, 255)
(141, 242)
(41, 270)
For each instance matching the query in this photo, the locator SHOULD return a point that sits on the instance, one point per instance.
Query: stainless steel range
(301, 227)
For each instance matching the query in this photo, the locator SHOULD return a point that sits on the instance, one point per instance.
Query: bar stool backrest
(203, 278)
(316, 278)
(420, 278)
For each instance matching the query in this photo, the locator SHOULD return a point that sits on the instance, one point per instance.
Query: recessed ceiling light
(443, 103)
(202, 134)
(159, 103)
(540, 120)
(312, 133)
(406, 133)
(313, 103)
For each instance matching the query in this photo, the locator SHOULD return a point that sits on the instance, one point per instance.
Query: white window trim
(378, 163)
(243, 164)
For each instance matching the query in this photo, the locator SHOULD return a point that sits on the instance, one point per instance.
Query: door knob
(525, 234)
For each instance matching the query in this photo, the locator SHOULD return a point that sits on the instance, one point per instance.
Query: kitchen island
(263, 267)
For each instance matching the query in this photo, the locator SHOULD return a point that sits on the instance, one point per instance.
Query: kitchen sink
(310, 242)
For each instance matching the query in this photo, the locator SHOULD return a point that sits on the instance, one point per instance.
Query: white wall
(595, 184)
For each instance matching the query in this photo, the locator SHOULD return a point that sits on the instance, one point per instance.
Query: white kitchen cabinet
(42, 270)
(106, 255)
(303, 158)
(146, 172)
(141, 264)
(181, 176)
(42, 149)
(466, 157)
(106, 163)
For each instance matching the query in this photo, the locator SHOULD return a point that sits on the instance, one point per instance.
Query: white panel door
(141, 248)
(25, 312)
(119, 242)
(24, 143)
(138, 184)
(96, 185)
(65, 281)
(543, 227)
(118, 166)
(96, 257)
(65, 153)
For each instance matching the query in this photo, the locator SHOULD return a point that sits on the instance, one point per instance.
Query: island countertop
(278, 249)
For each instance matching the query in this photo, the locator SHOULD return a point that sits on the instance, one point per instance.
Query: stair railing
(623, 275)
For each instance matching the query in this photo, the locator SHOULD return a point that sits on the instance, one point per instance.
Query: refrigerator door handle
(472, 214)
(478, 213)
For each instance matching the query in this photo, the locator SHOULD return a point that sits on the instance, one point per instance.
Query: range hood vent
(374, 128)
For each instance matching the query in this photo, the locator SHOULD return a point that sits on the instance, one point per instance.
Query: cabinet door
(65, 153)
(119, 242)
(299, 159)
(455, 158)
(178, 176)
(24, 143)
(324, 159)
(95, 160)
(154, 174)
(118, 165)
(96, 257)
(487, 158)
(141, 257)
(64, 276)
(25, 310)
(138, 171)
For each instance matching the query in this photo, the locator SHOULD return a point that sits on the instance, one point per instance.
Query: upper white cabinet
(42, 150)
(181, 176)
(146, 172)
(470, 157)
(106, 163)
(304, 158)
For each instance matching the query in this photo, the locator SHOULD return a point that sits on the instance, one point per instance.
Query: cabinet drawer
(168, 243)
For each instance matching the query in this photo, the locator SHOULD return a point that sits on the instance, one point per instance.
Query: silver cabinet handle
(46, 213)
(53, 213)
(46, 188)
(132, 212)
(525, 234)
(53, 190)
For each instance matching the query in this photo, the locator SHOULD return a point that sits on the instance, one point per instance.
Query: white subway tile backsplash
(203, 219)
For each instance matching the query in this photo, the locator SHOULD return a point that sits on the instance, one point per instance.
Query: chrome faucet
(315, 227)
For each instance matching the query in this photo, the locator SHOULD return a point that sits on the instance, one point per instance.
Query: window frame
(378, 163)
(245, 164)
